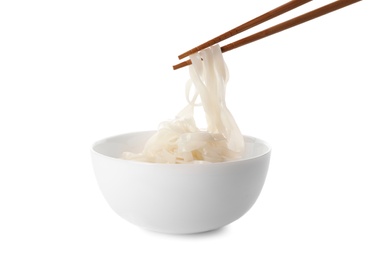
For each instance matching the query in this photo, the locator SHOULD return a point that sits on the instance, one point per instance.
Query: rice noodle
(180, 140)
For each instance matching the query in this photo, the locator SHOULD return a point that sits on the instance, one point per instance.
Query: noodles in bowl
(181, 179)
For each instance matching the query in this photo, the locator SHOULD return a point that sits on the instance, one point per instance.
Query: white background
(73, 72)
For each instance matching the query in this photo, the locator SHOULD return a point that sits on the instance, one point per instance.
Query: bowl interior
(134, 142)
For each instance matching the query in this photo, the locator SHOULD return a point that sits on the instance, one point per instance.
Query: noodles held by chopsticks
(180, 140)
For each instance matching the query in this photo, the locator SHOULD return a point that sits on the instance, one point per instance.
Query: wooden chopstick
(281, 27)
(248, 25)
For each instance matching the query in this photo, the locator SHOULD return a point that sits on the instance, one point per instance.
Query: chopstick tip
(182, 64)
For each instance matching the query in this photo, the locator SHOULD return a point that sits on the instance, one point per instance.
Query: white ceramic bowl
(178, 198)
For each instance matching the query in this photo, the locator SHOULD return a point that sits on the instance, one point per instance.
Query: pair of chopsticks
(267, 32)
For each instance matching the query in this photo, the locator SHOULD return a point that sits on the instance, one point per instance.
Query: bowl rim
(103, 140)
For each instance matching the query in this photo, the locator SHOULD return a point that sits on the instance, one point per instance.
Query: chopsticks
(248, 25)
(270, 31)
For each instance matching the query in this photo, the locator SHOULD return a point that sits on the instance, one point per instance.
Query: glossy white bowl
(178, 198)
